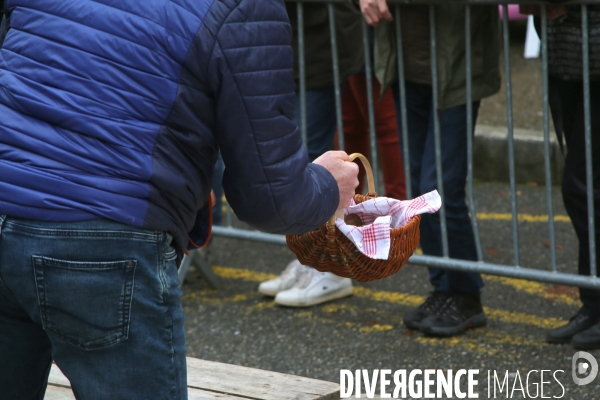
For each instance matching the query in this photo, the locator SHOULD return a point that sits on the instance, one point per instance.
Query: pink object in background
(513, 12)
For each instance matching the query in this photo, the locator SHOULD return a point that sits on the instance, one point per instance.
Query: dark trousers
(453, 124)
(567, 107)
(320, 119)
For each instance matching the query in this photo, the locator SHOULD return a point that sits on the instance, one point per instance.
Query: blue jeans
(99, 298)
(453, 127)
(320, 119)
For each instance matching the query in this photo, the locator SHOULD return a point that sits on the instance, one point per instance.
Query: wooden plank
(197, 394)
(59, 388)
(256, 383)
(209, 380)
(57, 378)
(58, 393)
(65, 393)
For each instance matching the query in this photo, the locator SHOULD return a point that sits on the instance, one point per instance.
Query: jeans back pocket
(87, 304)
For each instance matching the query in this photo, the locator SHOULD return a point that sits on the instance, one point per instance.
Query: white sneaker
(286, 280)
(313, 288)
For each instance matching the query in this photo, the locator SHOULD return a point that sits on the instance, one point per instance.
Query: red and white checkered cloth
(379, 216)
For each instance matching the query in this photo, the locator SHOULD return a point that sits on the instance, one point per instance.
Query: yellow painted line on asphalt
(523, 318)
(218, 300)
(491, 344)
(538, 289)
(521, 217)
(501, 315)
(262, 306)
(305, 314)
(199, 293)
(403, 299)
(314, 318)
(409, 300)
(376, 328)
(337, 307)
(245, 274)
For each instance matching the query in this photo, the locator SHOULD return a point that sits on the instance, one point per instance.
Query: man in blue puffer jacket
(111, 115)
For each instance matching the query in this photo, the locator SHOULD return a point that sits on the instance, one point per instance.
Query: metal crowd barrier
(516, 270)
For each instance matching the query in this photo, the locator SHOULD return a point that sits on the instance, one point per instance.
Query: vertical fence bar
(436, 129)
(371, 108)
(229, 215)
(302, 72)
(588, 138)
(511, 143)
(470, 133)
(336, 77)
(403, 114)
(547, 137)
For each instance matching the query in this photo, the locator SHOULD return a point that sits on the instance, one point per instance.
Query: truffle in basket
(353, 219)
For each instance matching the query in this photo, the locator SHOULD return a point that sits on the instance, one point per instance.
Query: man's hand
(344, 171)
(374, 11)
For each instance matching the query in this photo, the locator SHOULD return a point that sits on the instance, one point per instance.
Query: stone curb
(491, 158)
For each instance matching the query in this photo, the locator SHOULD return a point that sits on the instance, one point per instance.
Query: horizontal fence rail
(552, 275)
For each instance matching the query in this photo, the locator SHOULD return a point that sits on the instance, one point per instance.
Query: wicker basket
(329, 250)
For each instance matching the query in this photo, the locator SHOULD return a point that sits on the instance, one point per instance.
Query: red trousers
(356, 132)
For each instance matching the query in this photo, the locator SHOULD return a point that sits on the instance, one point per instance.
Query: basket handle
(370, 183)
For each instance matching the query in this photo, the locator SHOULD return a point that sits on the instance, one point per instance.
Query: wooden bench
(209, 380)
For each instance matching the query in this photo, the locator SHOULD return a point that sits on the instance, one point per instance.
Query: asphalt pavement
(235, 324)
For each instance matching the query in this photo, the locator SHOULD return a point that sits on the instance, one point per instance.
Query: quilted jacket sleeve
(268, 179)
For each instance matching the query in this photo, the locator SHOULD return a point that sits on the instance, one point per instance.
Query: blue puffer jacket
(116, 108)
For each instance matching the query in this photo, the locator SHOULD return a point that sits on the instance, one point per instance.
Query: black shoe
(579, 323)
(588, 339)
(433, 303)
(459, 312)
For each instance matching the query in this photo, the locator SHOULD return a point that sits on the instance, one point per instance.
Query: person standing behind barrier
(299, 285)
(565, 68)
(455, 304)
